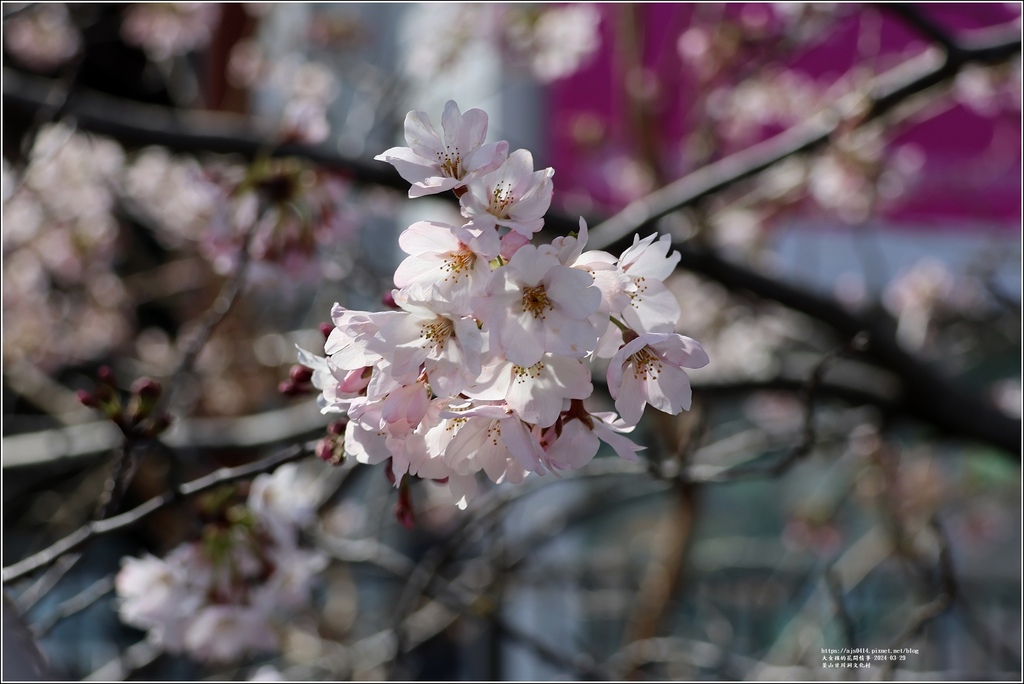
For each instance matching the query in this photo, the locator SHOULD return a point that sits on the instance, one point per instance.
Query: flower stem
(618, 324)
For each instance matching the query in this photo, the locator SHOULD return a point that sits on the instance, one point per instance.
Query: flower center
(457, 263)
(535, 300)
(646, 365)
(437, 332)
(521, 373)
(637, 297)
(501, 199)
(450, 162)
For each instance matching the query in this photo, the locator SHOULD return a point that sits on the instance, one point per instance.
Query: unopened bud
(403, 509)
(324, 450)
(326, 329)
(389, 300)
(106, 375)
(147, 388)
(86, 398)
(337, 427)
(300, 374)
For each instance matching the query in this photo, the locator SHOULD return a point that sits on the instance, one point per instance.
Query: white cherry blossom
(535, 304)
(652, 306)
(648, 369)
(434, 164)
(514, 196)
(537, 392)
(452, 259)
(444, 343)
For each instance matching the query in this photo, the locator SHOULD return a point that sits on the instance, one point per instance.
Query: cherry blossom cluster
(484, 366)
(226, 596)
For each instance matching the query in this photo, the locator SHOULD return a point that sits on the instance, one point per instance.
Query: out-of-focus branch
(912, 16)
(136, 124)
(99, 528)
(76, 604)
(927, 395)
(887, 91)
(136, 657)
(83, 441)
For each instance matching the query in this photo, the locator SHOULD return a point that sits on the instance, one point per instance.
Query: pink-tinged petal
(354, 381)
(421, 136)
(309, 360)
(463, 489)
(491, 411)
(530, 266)
(451, 124)
(365, 445)
(535, 203)
(354, 356)
(517, 169)
(613, 286)
(653, 308)
(425, 237)
(609, 342)
(535, 402)
(416, 269)
(571, 289)
(569, 337)
(574, 448)
(524, 227)
(522, 445)
(470, 132)
(471, 341)
(632, 397)
(511, 243)
(682, 351)
(623, 446)
(404, 408)
(481, 241)
(464, 445)
(487, 158)
(670, 392)
(522, 339)
(431, 185)
(572, 376)
(650, 259)
(492, 382)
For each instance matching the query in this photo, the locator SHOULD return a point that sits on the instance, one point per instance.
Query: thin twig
(76, 604)
(99, 528)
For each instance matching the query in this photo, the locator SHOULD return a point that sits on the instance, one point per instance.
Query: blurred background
(843, 182)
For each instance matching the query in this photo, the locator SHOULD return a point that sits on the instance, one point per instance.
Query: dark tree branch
(912, 16)
(99, 528)
(887, 91)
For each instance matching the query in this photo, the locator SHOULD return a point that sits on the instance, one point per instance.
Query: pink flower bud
(403, 509)
(106, 375)
(147, 388)
(300, 374)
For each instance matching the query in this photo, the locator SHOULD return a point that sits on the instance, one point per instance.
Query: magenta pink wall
(972, 161)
